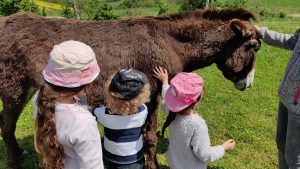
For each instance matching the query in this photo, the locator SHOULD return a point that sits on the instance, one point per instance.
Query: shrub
(8, 7)
(186, 5)
(97, 10)
(30, 6)
(266, 14)
(44, 12)
(230, 3)
(138, 3)
(282, 15)
(163, 8)
(67, 12)
(104, 13)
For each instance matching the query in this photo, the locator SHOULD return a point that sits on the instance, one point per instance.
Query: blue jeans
(288, 138)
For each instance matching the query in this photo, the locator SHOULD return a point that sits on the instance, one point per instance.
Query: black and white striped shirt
(123, 139)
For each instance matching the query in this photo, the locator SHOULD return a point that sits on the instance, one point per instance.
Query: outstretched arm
(162, 75)
(277, 39)
(200, 144)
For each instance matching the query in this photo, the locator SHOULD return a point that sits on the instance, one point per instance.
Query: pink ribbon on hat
(188, 100)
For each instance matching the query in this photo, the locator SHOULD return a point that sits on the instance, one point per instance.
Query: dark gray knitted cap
(128, 83)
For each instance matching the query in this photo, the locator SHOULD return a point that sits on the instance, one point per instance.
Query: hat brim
(71, 80)
(173, 103)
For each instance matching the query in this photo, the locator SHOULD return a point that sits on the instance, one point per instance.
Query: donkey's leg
(150, 131)
(12, 108)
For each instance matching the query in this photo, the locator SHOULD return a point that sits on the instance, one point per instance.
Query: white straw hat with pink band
(185, 88)
(71, 64)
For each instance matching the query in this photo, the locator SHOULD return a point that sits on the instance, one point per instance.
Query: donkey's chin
(245, 83)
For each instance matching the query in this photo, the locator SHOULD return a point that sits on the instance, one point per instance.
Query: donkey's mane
(213, 14)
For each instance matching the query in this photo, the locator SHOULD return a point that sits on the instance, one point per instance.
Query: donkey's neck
(200, 45)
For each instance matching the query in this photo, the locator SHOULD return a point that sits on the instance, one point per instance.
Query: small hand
(229, 145)
(161, 74)
(258, 30)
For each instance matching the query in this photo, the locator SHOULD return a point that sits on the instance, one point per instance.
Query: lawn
(287, 6)
(249, 117)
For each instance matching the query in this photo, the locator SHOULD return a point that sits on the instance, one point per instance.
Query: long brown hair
(50, 151)
(172, 115)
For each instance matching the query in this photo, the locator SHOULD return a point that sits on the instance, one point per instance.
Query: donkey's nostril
(241, 85)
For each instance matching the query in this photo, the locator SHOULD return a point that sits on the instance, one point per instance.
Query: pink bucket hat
(184, 90)
(71, 64)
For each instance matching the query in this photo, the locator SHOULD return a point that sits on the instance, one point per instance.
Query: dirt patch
(297, 15)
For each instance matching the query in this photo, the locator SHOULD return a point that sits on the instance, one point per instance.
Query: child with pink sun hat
(66, 133)
(189, 143)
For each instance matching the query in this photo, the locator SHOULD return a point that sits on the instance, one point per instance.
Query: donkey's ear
(239, 27)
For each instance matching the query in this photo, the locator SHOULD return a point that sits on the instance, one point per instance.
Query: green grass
(287, 6)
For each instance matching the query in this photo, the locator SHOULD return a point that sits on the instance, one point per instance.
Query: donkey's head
(238, 55)
(225, 37)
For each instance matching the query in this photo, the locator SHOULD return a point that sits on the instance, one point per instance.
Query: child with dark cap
(123, 117)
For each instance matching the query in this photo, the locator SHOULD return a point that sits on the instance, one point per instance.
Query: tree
(75, 9)
(206, 4)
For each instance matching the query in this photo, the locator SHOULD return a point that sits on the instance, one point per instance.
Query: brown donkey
(178, 42)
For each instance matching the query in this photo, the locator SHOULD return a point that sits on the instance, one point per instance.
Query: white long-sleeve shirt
(78, 133)
(189, 143)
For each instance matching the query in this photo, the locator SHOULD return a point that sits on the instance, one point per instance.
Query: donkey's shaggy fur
(178, 42)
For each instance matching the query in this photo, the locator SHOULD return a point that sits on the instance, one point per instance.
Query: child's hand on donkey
(229, 144)
(161, 74)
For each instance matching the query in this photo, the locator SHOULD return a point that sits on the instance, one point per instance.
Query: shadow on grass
(28, 161)
(163, 167)
(215, 167)
(162, 145)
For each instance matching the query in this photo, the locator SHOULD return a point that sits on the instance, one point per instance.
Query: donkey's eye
(252, 45)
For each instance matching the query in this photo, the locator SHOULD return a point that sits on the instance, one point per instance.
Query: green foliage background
(8, 7)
